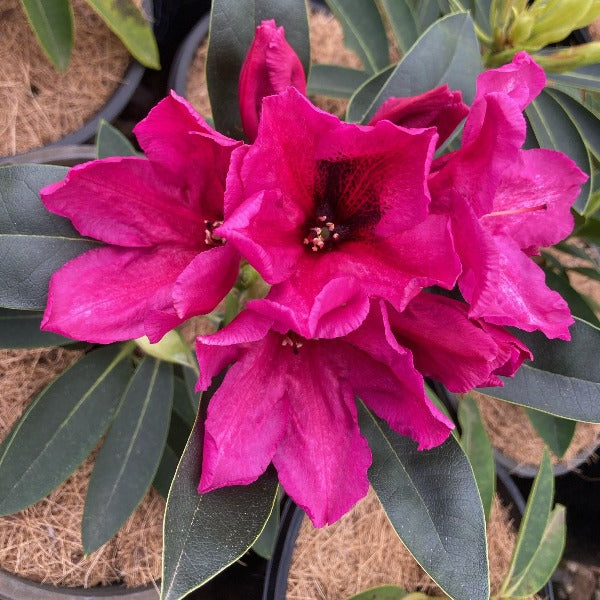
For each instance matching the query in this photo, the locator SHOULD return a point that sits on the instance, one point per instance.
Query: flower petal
(533, 201)
(439, 108)
(124, 201)
(270, 66)
(103, 295)
(322, 460)
(245, 423)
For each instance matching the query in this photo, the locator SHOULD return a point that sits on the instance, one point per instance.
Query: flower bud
(521, 28)
(271, 66)
(170, 348)
(555, 20)
(569, 58)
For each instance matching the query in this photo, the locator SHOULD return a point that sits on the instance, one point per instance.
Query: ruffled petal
(189, 153)
(440, 108)
(533, 202)
(103, 296)
(247, 418)
(124, 201)
(452, 349)
(322, 460)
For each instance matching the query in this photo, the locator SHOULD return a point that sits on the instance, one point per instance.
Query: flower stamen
(318, 238)
(294, 340)
(210, 237)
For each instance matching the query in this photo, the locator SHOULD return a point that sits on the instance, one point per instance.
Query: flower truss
(385, 265)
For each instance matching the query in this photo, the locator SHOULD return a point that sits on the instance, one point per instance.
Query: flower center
(210, 237)
(292, 339)
(323, 235)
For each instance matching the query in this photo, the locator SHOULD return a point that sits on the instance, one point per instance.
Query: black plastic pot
(291, 519)
(510, 464)
(113, 107)
(63, 155)
(182, 63)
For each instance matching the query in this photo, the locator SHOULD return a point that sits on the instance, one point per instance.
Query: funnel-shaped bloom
(291, 401)
(163, 262)
(505, 203)
(271, 66)
(440, 108)
(316, 200)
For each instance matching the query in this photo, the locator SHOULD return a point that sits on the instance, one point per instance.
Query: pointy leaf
(111, 142)
(557, 433)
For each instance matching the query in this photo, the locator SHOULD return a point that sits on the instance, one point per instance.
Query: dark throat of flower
(210, 237)
(293, 340)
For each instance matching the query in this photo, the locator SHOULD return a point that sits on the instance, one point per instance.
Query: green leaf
(52, 23)
(61, 427)
(554, 129)
(130, 454)
(403, 21)
(585, 120)
(533, 523)
(335, 81)
(21, 329)
(363, 31)
(363, 97)
(166, 471)
(587, 271)
(564, 378)
(387, 592)
(587, 78)
(33, 242)
(431, 499)
(111, 142)
(128, 23)
(590, 228)
(205, 533)
(557, 433)
(182, 403)
(546, 558)
(478, 448)
(453, 42)
(191, 377)
(232, 27)
(265, 543)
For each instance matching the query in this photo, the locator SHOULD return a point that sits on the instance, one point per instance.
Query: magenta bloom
(440, 108)
(315, 202)
(505, 203)
(163, 262)
(271, 66)
(290, 401)
(449, 347)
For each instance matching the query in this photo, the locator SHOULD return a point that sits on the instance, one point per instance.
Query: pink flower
(290, 401)
(439, 108)
(505, 203)
(449, 347)
(315, 201)
(163, 262)
(271, 66)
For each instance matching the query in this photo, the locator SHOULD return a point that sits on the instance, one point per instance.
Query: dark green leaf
(587, 271)
(403, 20)
(191, 377)
(363, 97)
(232, 27)
(130, 454)
(587, 78)
(585, 120)
(111, 142)
(61, 427)
(204, 533)
(386, 592)
(478, 448)
(546, 558)
(457, 62)
(432, 501)
(33, 242)
(427, 13)
(559, 282)
(166, 471)
(128, 23)
(21, 329)
(563, 380)
(182, 403)
(335, 81)
(363, 31)
(556, 432)
(52, 23)
(554, 129)
(265, 544)
(589, 230)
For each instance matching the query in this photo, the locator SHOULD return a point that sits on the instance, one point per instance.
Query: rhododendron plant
(362, 263)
